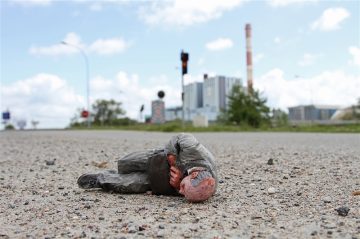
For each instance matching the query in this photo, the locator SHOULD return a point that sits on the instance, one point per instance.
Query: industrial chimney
(249, 67)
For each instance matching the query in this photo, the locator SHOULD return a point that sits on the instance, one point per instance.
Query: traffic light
(184, 60)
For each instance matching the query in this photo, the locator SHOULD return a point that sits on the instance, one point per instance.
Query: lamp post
(87, 78)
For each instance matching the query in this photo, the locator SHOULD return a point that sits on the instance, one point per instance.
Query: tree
(246, 109)
(106, 112)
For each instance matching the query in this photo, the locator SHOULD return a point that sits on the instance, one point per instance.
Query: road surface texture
(295, 197)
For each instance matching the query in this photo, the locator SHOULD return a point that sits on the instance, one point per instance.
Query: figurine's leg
(124, 183)
(135, 162)
(90, 180)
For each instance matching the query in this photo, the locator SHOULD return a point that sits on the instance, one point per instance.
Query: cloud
(277, 40)
(219, 44)
(258, 57)
(355, 52)
(99, 5)
(101, 46)
(127, 89)
(96, 7)
(284, 3)
(52, 101)
(330, 19)
(324, 88)
(308, 59)
(185, 12)
(28, 3)
(109, 46)
(44, 97)
(59, 49)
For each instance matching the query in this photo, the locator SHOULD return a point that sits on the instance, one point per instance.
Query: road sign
(84, 114)
(6, 115)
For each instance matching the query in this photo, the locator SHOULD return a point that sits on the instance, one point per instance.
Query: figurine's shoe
(88, 180)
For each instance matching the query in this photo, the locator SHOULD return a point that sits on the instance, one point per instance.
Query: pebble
(132, 229)
(160, 233)
(343, 211)
(50, 162)
(327, 199)
(271, 190)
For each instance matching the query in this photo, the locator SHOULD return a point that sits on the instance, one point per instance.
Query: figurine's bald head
(198, 186)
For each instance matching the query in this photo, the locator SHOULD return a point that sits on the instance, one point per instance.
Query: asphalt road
(296, 197)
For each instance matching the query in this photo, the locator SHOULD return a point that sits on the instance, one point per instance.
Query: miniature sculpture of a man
(183, 166)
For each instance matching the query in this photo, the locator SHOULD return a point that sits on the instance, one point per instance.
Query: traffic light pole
(182, 99)
(184, 57)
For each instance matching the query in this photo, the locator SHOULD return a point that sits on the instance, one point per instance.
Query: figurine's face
(198, 186)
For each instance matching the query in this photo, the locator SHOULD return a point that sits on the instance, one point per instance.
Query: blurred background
(80, 63)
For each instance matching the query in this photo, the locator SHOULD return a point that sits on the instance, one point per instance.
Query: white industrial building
(216, 90)
(303, 113)
(208, 98)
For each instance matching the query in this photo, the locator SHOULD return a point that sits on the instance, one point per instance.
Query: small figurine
(183, 166)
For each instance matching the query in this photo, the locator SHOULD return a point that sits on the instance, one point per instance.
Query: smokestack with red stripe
(249, 66)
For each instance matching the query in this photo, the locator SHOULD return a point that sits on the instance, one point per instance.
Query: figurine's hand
(171, 159)
(175, 177)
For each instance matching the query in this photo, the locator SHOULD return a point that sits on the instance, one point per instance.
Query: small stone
(172, 204)
(50, 162)
(270, 161)
(343, 211)
(132, 229)
(271, 190)
(327, 199)
(160, 233)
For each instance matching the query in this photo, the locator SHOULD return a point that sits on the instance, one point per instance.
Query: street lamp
(87, 78)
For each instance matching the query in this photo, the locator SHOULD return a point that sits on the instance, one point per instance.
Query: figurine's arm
(175, 173)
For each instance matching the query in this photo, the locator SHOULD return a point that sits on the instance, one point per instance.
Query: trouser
(132, 175)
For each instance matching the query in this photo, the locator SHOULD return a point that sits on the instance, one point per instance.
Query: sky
(304, 52)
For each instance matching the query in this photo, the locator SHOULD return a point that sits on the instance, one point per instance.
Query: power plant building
(216, 91)
(193, 96)
(208, 98)
(303, 113)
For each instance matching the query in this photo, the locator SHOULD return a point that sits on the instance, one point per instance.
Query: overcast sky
(303, 51)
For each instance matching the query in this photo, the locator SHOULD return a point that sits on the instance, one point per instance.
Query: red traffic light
(84, 114)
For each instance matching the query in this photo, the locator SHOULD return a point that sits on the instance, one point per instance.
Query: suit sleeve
(159, 177)
(190, 153)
